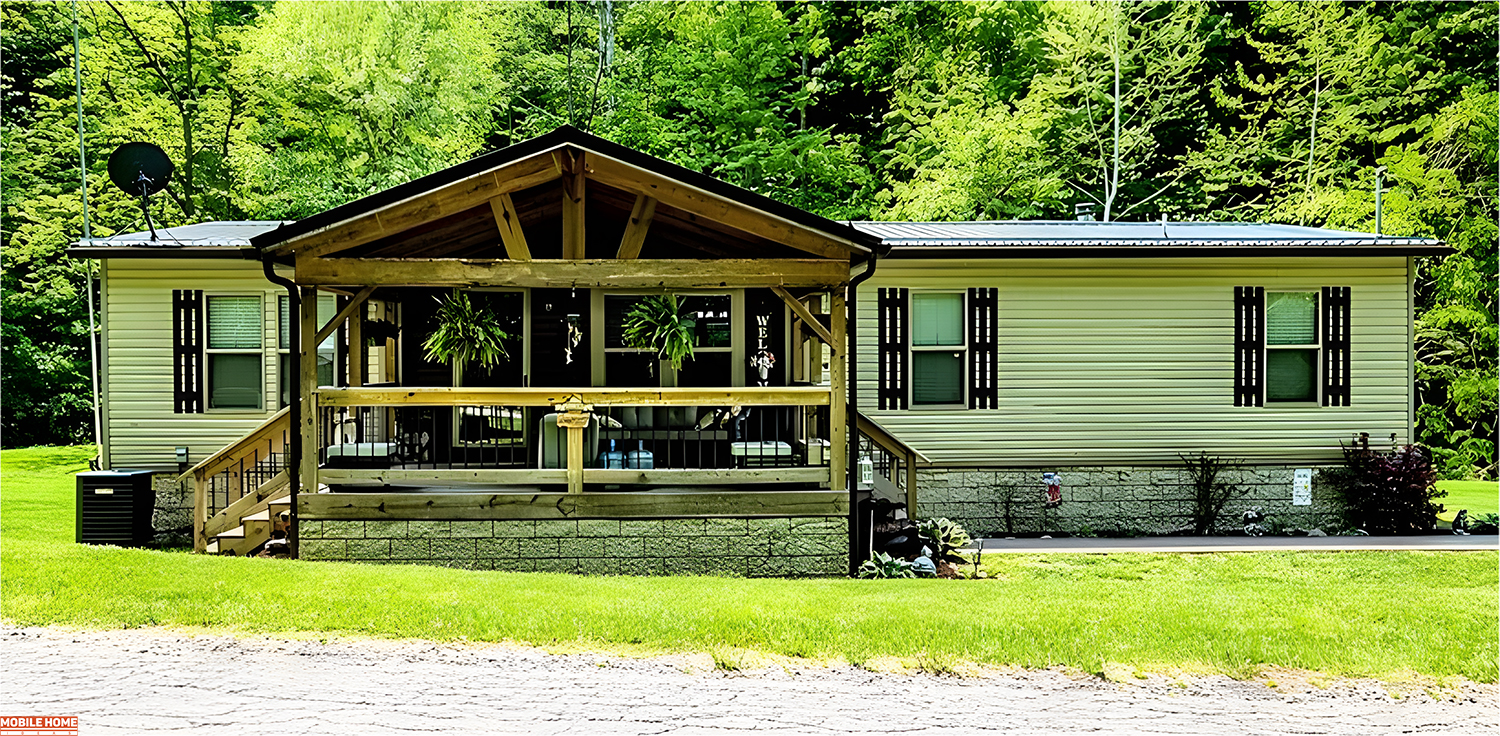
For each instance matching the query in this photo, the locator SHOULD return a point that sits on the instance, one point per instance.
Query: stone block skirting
(1110, 501)
(172, 517)
(760, 547)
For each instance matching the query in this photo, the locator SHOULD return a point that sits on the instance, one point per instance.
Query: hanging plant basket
(466, 334)
(656, 323)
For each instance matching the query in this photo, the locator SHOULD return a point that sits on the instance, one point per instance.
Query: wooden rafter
(338, 319)
(802, 312)
(666, 191)
(509, 224)
(596, 273)
(454, 198)
(635, 229)
(573, 235)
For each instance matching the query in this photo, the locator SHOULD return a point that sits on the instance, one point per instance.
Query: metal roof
(222, 238)
(1017, 238)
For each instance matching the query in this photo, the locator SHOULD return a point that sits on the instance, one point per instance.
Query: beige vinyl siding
(142, 430)
(1131, 361)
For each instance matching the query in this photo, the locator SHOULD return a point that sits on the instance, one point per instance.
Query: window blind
(1291, 318)
(937, 319)
(234, 323)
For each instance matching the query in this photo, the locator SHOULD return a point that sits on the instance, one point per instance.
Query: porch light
(866, 472)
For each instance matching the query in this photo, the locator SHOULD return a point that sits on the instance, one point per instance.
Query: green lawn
(1478, 496)
(1390, 615)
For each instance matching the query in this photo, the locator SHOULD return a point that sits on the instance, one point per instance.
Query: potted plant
(466, 334)
(656, 323)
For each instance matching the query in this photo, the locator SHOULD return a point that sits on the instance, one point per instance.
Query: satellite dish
(140, 169)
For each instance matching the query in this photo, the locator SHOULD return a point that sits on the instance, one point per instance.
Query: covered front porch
(561, 242)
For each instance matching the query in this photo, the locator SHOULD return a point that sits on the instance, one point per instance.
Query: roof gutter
(858, 536)
(294, 416)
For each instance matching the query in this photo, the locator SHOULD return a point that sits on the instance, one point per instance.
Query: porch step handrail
(230, 453)
(596, 396)
(908, 455)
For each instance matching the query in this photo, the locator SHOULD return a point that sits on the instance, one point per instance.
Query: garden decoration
(466, 334)
(655, 323)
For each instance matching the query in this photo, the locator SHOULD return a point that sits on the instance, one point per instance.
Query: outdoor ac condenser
(114, 507)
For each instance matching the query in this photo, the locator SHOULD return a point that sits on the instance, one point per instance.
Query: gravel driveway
(148, 681)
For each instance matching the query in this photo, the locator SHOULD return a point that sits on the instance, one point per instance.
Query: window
(234, 352)
(1292, 346)
(713, 332)
(286, 357)
(938, 348)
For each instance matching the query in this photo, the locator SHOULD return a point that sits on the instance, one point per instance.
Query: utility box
(114, 507)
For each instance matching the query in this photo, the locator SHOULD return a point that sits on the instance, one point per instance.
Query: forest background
(1263, 111)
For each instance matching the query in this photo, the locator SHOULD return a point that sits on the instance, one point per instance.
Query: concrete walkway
(1447, 542)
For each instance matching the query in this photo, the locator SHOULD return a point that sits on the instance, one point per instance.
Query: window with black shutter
(1291, 346)
(187, 355)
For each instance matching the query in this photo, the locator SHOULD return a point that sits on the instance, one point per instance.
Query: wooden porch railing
(239, 469)
(900, 456)
(575, 409)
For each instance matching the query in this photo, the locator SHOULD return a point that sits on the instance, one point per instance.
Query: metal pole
(1379, 186)
(88, 264)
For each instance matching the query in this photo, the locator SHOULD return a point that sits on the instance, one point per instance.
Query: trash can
(114, 507)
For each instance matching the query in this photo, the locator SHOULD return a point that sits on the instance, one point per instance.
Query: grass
(1383, 614)
(1478, 496)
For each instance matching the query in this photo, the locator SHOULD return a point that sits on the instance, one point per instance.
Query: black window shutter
(187, 351)
(1249, 345)
(894, 367)
(984, 349)
(1335, 329)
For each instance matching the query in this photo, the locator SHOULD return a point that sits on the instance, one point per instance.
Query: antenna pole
(88, 266)
(144, 182)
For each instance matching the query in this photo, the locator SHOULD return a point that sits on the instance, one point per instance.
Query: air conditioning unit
(114, 507)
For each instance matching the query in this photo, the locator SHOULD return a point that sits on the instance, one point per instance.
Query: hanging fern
(656, 324)
(466, 334)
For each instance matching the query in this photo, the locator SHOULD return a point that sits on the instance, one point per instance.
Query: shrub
(1387, 492)
(882, 566)
(1210, 494)
(945, 537)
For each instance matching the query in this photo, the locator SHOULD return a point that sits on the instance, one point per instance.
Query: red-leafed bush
(1387, 492)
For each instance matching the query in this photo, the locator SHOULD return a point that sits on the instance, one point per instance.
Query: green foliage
(945, 537)
(1210, 493)
(656, 323)
(465, 334)
(882, 566)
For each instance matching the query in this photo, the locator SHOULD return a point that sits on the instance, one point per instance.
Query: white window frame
(913, 348)
(260, 352)
(1316, 346)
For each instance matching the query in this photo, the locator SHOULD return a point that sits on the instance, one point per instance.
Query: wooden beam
(359, 362)
(333, 324)
(573, 236)
(575, 460)
(552, 397)
(307, 390)
(509, 224)
(635, 230)
(732, 214)
(453, 198)
(583, 274)
(838, 415)
(484, 505)
(800, 309)
(458, 478)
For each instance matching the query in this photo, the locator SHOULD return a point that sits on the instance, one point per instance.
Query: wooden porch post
(911, 486)
(308, 385)
(359, 364)
(200, 512)
(838, 414)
